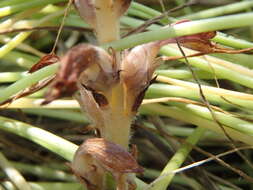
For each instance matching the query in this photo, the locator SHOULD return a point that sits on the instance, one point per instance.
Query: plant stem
(215, 66)
(207, 89)
(11, 76)
(218, 11)
(46, 186)
(43, 172)
(46, 139)
(220, 37)
(13, 174)
(59, 114)
(186, 116)
(117, 124)
(225, 119)
(36, 103)
(11, 2)
(162, 90)
(24, 5)
(231, 41)
(183, 74)
(27, 81)
(23, 35)
(52, 142)
(107, 22)
(162, 182)
(186, 28)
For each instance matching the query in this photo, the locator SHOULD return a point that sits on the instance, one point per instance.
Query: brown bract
(138, 66)
(200, 42)
(75, 61)
(111, 156)
(45, 61)
(97, 155)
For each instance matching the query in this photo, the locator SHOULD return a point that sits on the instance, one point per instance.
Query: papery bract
(78, 59)
(98, 155)
(44, 61)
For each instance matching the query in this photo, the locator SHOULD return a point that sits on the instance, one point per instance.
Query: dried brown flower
(78, 59)
(96, 156)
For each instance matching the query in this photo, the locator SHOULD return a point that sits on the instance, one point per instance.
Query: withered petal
(111, 156)
(102, 74)
(44, 61)
(72, 64)
(121, 6)
(86, 9)
(90, 106)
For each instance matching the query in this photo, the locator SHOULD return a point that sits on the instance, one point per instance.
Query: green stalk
(24, 5)
(23, 35)
(43, 172)
(183, 74)
(206, 89)
(58, 114)
(163, 90)
(138, 13)
(222, 68)
(133, 22)
(218, 11)
(220, 37)
(11, 2)
(177, 31)
(162, 182)
(231, 41)
(144, 9)
(36, 103)
(13, 174)
(48, 140)
(182, 180)
(186, 10)
(225, 119)
(27, 81)
(46, 186)
(57, 186)
(187, 28)
(213, 95)
(140, 10)
(11, 76)
(7, 24)
(186, 116)
(21, 59)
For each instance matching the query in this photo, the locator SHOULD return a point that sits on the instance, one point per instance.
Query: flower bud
(137, 70)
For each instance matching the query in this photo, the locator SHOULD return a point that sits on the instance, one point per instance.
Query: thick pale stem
(117, 127)
(118, 123)
(107, 22)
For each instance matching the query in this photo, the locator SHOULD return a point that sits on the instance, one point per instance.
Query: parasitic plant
(111, 86)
